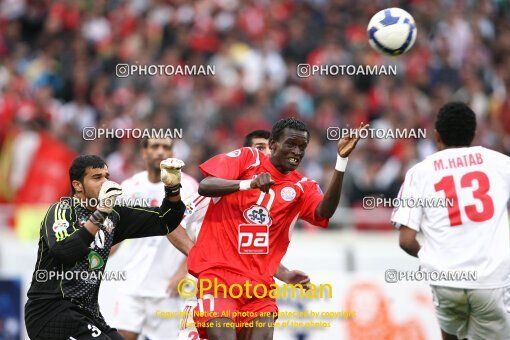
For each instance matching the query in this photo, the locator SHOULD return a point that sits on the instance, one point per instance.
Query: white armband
(341, 163)
(245, 185)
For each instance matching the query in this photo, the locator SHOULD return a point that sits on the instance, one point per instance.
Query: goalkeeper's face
(92, 182)
(157, 150)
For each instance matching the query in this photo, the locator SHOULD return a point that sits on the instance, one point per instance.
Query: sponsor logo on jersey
(95, 260)
(288, 194)
(257, 214)
(60, 225)
(235, 153)
(190, 206)
(253, 239)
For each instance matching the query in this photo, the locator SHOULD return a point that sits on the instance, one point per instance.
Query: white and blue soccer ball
(392, 31)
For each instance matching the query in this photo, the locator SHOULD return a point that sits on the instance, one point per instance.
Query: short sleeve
(311, 199)
(196, 207)
(231, 165)
(404, 214)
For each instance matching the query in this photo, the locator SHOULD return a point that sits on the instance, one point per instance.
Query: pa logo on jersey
(257, 214)
(253, 239)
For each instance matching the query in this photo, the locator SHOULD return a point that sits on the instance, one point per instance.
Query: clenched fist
(263, 181)
(171, 171)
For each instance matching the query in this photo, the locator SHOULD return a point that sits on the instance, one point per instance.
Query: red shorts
(222, 302)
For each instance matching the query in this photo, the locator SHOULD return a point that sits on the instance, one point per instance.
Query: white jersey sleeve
(404, 214)
(189, 186)
(196, 207)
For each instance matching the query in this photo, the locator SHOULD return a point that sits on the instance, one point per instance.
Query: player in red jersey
(246, 230)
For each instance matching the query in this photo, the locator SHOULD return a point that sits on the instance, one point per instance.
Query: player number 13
(447, 185)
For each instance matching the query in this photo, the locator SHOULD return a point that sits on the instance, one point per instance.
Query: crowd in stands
(58, 61)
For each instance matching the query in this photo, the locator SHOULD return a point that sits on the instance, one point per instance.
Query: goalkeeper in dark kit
(75, 240)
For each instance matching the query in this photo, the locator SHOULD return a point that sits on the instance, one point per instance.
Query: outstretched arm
(331, 198)
(180, 240)
(216, 187)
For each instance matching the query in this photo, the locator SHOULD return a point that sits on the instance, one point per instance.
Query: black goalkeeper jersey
(70, 260)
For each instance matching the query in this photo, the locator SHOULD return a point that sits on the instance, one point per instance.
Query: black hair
(248, 140)
(290, 123)
(80, 164)
(456, 124)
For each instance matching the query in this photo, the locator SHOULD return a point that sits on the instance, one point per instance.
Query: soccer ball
(392, 31)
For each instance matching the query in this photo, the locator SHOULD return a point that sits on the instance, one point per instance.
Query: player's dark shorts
(71, 323)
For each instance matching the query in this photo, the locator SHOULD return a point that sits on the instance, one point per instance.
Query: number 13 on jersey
(479, 185)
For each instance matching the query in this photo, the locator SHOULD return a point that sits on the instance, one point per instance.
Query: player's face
(92, 181)
(262, 144)
(156, 151)
(289, 150)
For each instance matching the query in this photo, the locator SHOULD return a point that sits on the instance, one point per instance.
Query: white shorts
(187, 329)
(476, 314)
(138, 314)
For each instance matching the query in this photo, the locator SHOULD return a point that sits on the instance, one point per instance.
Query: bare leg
(127, 335)
(447, 336)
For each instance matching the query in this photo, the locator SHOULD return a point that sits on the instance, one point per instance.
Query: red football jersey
(248, 232)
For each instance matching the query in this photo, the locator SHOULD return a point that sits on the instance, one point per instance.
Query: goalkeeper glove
(171, 171)
(107, 196)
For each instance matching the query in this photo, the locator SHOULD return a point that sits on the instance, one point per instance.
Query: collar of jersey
(275, 173)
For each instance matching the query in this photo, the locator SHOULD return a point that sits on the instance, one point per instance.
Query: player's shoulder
(493, 154)
(303, 183)
(61, 210)
(198, 200)
(249, 157)
(245, 151)
(189, 185)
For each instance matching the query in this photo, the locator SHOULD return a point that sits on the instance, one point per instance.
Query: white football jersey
(471, 233)
(154, 260)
